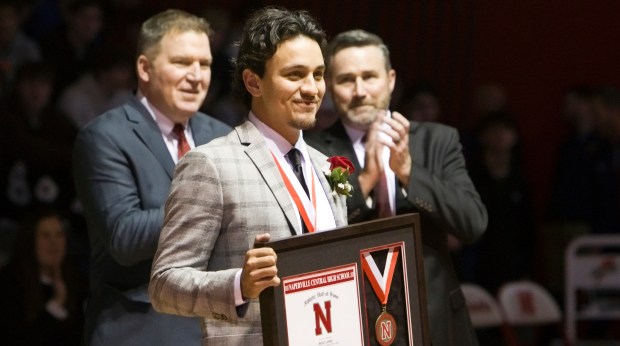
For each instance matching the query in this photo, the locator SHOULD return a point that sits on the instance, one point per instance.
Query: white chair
(483, 308)
(525, 307)
(528, 303)
(593, 275)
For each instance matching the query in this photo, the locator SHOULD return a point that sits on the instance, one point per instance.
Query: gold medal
(385, 328)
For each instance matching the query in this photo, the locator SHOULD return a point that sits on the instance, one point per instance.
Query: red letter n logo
(386, 330)
(324, 318)
(526, 303)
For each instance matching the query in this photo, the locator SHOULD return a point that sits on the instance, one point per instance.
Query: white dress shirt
(355, 136)
(165, 127)
(280, 147)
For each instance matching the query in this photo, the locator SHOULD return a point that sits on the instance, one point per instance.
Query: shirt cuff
(238, 296)
(56, 310)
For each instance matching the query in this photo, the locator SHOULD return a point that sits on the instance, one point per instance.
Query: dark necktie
(294, 157)
(182, 145)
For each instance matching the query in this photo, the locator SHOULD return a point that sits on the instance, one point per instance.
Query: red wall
(536, 49)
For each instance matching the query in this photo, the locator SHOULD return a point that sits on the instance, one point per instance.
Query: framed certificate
(357, 285)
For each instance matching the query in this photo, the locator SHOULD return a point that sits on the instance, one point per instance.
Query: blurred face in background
(607, 120)
(498, 138)
(50, 242)
(360, 84)
(489, 98)
(578, 112)
(34, 94)
(86, 23)
(8, 24)
(423, 107)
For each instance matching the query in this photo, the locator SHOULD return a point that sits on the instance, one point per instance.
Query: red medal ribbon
(297, 199)
(382, 289)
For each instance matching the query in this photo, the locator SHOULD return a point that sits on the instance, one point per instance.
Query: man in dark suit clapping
(405, 167)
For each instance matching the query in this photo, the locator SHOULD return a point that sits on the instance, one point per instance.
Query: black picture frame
(342, 248)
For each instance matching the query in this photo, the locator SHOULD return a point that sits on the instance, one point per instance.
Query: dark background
(534, 49)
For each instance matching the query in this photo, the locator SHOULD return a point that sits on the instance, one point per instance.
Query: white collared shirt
(280, 147)
(165, 127)
(355, 136)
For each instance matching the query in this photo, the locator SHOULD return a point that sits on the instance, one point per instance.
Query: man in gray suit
(406, 167)
(242, 189)
(124, 162)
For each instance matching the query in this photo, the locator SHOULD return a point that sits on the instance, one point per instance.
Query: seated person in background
(35, 152)
(506, 250)
(40, 293)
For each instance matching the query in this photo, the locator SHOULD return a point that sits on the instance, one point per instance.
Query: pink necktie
(382, 198)
(381, 194)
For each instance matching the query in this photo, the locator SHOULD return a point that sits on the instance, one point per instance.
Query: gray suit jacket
(223, 195)
(123, 172)
(441, 190)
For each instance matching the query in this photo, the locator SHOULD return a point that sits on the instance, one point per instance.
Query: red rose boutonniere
(338, 173)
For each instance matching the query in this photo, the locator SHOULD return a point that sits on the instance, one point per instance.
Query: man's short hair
(356, 38)
(156, 27)
(264, 31)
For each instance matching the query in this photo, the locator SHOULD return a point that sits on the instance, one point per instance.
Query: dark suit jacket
(442, 192)
(123, 173)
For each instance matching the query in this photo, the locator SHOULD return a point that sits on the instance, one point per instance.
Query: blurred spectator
(573, 204)
(41, 295)
(109, 85)
(15, 47)
(505, 251)
(488, 98)
(573, 196)
(421, 103)
(220, 40)
(219, 102)
(35, 148)
(40, 17)
(71, 48)
(607, 166)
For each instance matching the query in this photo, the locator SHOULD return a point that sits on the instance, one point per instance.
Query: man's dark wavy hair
(264, 31)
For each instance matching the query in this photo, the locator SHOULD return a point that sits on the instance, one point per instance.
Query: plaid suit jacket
(223, 195)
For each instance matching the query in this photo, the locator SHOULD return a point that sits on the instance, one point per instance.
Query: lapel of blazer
(146, 129)
(336, 141)
(335, 202)
(260, 155)
(201, 130)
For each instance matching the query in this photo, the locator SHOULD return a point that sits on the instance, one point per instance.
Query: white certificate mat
(323, 307)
